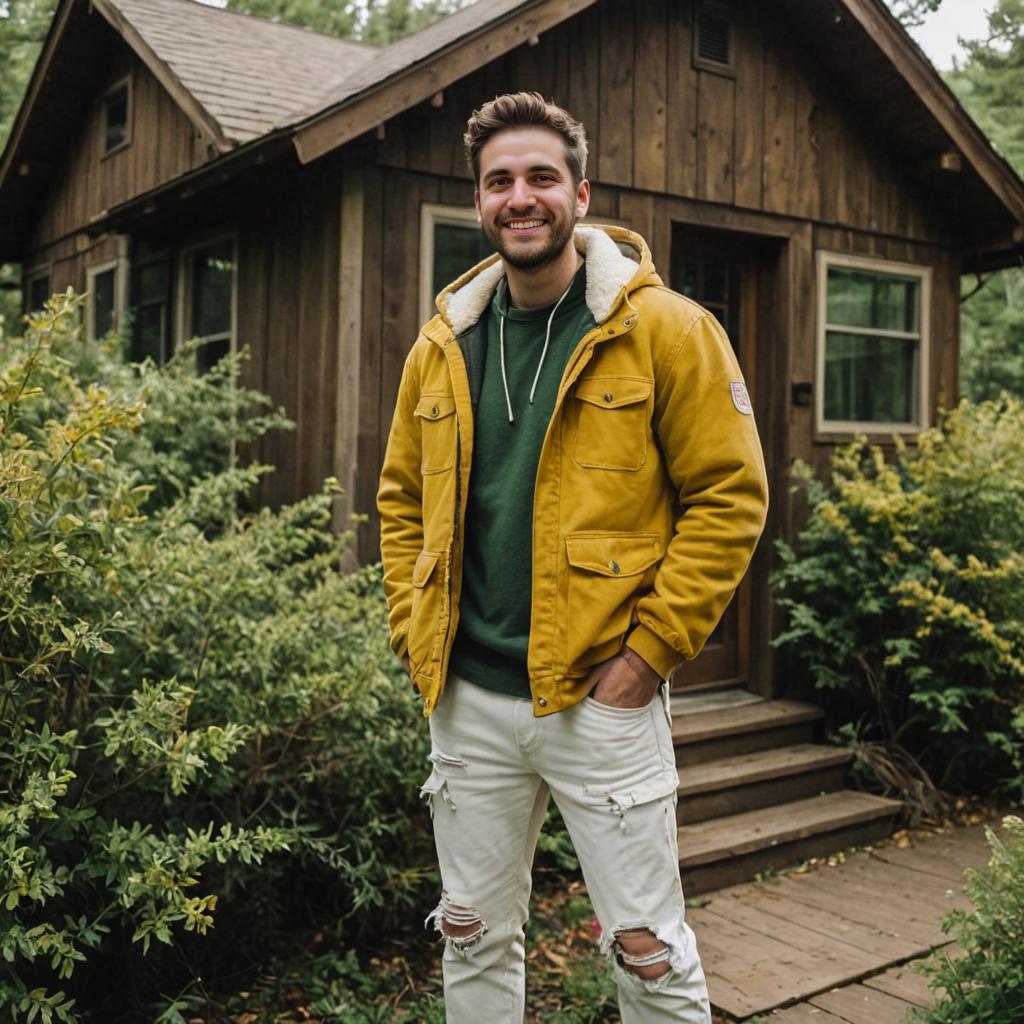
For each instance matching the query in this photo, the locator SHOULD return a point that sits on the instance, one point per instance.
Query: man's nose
(521, 194)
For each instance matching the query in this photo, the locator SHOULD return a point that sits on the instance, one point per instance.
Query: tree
(378, 22)
(990, 84)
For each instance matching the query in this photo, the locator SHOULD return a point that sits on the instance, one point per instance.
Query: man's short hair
(526, 110)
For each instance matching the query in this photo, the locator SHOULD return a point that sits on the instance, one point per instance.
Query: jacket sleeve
(400, 504)
(713, 457)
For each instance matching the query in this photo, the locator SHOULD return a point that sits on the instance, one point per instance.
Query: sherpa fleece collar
(608, 272)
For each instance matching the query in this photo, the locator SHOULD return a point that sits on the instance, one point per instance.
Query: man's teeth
(521, 225)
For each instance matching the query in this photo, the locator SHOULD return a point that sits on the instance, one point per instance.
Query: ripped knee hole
(642, 953)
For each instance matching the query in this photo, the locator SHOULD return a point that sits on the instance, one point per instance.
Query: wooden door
(722, 275)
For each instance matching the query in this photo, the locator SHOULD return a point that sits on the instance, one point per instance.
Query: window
(151, 306)
(106, 302)
(872, 365)
(115, 117)
(37, 290)
(450, 243)
(208, 298)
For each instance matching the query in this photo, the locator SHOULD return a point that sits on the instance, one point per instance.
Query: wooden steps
(755, 794)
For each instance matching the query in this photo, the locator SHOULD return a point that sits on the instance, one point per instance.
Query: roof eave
(941, 102)
(341, 122)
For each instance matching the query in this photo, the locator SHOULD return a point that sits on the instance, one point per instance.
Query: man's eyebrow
(498, 172)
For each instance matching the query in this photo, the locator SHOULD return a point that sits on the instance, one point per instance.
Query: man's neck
(543, 286)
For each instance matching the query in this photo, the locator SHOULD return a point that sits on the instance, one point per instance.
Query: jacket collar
(608, 272)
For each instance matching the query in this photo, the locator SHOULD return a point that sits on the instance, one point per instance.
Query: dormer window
(115, 117)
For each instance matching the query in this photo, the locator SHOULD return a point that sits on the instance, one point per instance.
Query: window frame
(432, 214)
(126, 82)
(184, 297)
(119, 264)
(847, 428)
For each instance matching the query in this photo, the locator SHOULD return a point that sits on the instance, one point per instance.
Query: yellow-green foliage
(905, 594)
(207, 748)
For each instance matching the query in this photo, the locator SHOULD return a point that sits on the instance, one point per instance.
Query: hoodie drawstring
(543, 354)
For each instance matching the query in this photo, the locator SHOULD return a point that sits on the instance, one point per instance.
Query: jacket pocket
(608, 572)
(436, 415)
(613, 422)
(425, 616)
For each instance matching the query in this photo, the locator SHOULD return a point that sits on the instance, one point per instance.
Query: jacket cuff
(662, 657)
(400, 643)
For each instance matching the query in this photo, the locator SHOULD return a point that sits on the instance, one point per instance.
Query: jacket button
(608, 396)
(542, 702)
(614, 566)
(433, 412)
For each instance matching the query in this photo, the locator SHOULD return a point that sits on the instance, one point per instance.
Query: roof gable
(244, 76)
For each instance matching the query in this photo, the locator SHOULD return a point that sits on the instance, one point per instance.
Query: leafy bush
(985, 985)
(201, 721)
(904, 597)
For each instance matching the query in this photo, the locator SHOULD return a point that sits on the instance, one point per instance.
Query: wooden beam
(383, 100)
(940, 101)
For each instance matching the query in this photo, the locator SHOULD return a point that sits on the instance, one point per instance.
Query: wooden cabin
(797, 166)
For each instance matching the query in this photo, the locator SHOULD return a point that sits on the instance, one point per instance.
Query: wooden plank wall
(776, 138)
(163, 145)
(288, 315)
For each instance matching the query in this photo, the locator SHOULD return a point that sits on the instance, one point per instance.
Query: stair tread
(721, 838)
(769, 714)
(743, 769)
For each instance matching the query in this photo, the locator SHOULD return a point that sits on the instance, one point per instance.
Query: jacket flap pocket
(613, 554)
(613, 392)
(425, 562)
(435, 407)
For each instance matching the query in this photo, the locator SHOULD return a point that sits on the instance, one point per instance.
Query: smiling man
(572, 491)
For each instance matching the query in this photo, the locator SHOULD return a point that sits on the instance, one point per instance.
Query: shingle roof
(412, 50)
(249, 74)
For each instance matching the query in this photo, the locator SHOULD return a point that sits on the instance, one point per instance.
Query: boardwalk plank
(858, 1004)
(905, 983)
(804, 1013)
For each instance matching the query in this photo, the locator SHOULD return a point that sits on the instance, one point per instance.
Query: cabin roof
(249, 74)
(247, 82)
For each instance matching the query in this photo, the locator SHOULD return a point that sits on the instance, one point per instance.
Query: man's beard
(559, 236)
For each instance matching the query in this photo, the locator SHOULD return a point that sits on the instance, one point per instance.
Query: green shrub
(904, 596)
(206, 744)
(984, 985)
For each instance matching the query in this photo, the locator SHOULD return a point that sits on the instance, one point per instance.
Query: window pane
(862, 298)
(870, 379)
(154, 282)
(149, 333)
(38, 293)
(213, 270)
(115, 116)
(457, 247)
(103, 303)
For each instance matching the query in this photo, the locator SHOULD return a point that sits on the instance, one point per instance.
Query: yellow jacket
(650, 493)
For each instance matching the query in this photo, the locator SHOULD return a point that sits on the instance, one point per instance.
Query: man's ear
(582, 199)
(476, 203)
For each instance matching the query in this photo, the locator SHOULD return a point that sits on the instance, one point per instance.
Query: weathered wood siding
(163, 145)
(288, 316)
(776, 138)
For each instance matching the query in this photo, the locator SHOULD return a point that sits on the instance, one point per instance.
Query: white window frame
(183, 297)
(879, 266)
(120, 267)
(432, 214)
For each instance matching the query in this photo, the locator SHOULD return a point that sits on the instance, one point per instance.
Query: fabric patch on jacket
(740, 398)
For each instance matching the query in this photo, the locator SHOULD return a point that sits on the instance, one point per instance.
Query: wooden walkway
(828, 946)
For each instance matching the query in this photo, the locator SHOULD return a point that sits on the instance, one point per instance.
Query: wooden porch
(834, 944)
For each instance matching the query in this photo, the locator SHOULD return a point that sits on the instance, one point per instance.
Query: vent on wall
(712, 39)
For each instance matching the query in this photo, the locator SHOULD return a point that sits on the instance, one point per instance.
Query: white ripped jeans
(612, 774)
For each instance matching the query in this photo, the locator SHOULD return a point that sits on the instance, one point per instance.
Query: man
(572, 491)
